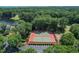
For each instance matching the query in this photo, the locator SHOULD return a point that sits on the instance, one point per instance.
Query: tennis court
(41, 38)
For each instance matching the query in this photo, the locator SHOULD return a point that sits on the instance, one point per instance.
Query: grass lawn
(67, 28)
(15, 18)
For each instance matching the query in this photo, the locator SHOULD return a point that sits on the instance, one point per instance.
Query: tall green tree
(53, 24)
(67, 38)
(1, 43)
(76, 45)
(62, 22)
(27, 16)
(14, 39)
(75, 30)
(41, 22)
(23, 27)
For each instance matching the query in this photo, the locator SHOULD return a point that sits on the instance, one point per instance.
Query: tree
(1, 43)
(23, 27)
(48, 50)
(15, 41)
(60, 49)
(28, 50)
(67, 38)
(41, 22)
(76, 18)
(62, 22)
(75, 30)
(27, 16)
(53, 24)
(76, 45)
(2, 27)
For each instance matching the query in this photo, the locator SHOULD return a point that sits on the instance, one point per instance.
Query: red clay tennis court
(41, 38)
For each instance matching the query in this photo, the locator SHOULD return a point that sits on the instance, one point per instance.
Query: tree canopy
(60, 49)
(75, 30)
(1, 43)
(17, 23)
(68, 38)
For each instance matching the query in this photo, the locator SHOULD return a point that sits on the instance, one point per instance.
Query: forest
(16, 24)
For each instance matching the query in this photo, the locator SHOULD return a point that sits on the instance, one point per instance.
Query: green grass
(67, 28)
(16, 18)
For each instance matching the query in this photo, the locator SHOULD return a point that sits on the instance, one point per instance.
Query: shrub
(76, 44)
(28, 50)
(60, 49)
